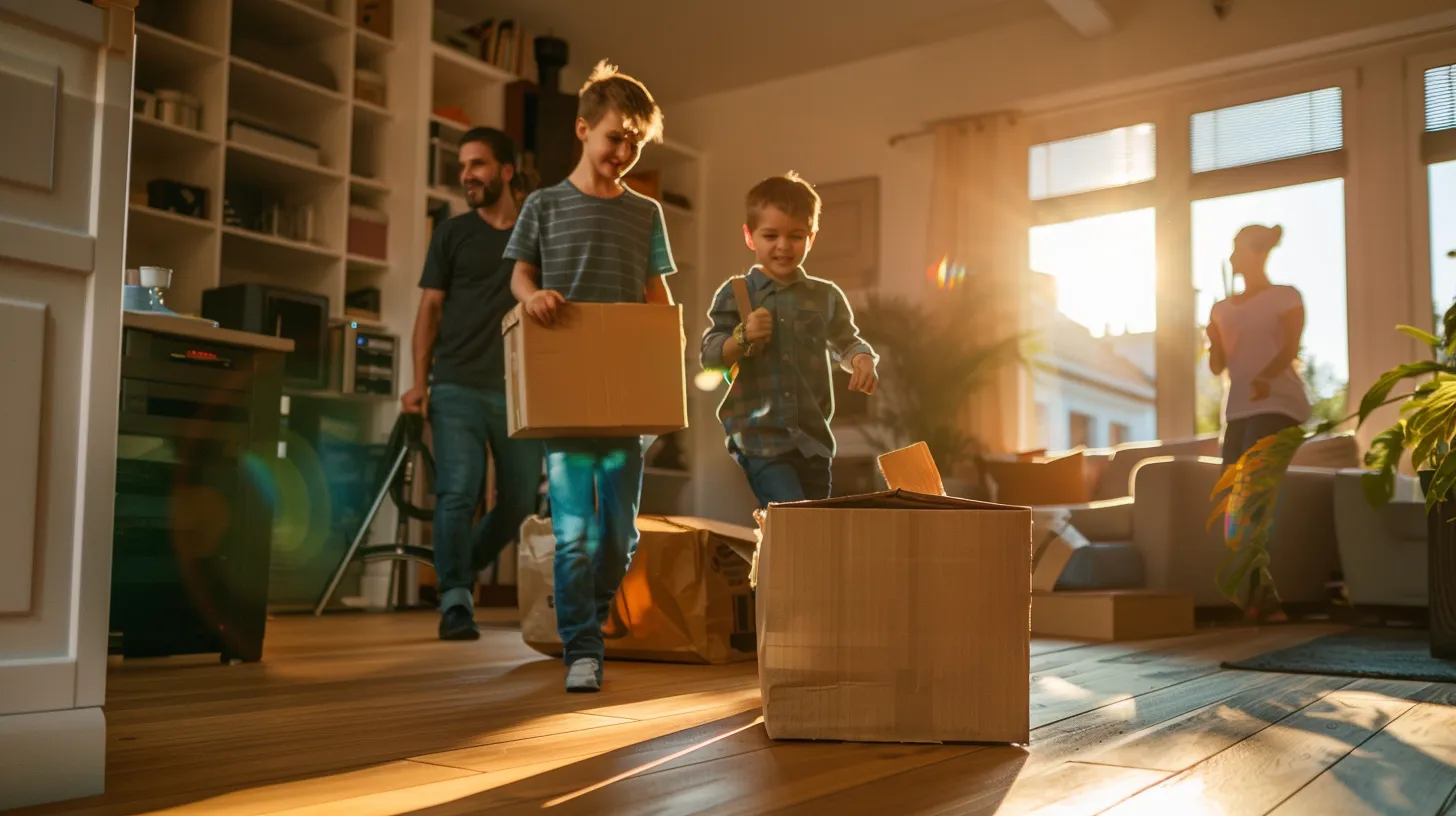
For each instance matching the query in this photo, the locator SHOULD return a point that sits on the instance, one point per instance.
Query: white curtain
(977, 249)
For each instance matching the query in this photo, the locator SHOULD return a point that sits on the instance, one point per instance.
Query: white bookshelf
(369, 154)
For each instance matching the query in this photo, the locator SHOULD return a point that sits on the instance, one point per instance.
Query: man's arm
(434, 283)
(427, 331)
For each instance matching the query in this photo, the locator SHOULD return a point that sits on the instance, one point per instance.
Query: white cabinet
(66, 89)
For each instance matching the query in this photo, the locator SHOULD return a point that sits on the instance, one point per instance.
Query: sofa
(1157, 536)
(1383, 551)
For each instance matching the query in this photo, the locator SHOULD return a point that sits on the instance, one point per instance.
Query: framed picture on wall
(847, 250)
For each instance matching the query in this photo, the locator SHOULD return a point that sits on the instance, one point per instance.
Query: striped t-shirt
(592, 249)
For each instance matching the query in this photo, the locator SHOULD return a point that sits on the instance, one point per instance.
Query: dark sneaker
(458, 624)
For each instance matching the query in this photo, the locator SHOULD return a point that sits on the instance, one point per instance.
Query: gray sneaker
(584, 675)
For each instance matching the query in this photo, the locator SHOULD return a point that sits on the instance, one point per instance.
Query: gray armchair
(1383, 550)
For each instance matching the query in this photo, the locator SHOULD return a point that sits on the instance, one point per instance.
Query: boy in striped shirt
(592, 239)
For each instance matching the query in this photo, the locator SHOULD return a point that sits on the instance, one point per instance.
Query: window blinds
(1269, 130)
(1441, 98)
(1112, 158)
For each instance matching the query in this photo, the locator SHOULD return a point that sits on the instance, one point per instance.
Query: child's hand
(759, 326)
(543, 306)
(864, 379)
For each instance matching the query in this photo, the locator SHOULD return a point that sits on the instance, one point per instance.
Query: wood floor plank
(1407, 769)
(1187, 740)
(1259, 773)
(503, 756)
(371, 714)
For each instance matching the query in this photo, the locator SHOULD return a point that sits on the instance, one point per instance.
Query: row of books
(503, 44)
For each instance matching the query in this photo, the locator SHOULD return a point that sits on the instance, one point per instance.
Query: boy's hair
(609, 89)
(790, 193)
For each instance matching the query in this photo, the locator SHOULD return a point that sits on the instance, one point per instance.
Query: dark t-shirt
(465, 260)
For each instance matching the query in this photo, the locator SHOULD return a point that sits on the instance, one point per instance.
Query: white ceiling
(688, 48)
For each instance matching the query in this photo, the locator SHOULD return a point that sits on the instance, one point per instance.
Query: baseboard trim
(51, 756)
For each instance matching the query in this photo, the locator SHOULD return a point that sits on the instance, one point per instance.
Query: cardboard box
(1129, 614)
(895, 617)
(685, 598)
(603, 369)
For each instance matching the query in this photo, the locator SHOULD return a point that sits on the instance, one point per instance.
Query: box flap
(511, 319)
(912, 468)
(897, 500)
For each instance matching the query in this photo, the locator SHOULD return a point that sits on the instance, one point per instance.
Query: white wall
(835, 124)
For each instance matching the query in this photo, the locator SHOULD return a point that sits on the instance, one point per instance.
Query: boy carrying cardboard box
(591, 239)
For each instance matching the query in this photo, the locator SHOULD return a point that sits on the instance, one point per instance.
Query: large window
(1439, 149)
(1112, 158)
(1093, 308)
(1268, 130)
(1311, 258)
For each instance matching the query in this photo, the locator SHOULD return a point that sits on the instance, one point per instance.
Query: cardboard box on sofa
(895, 617)
(685, 598)
(603, 369)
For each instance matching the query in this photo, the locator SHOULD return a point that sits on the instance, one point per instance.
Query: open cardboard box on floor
(603, 369)
(899, 616)
(685, 597)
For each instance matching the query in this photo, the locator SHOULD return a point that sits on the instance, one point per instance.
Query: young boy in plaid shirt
(591, 239)
(778, 406)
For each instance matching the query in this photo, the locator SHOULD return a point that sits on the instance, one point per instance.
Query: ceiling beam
(1089, 17)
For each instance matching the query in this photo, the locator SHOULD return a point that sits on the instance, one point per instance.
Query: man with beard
(457, 339)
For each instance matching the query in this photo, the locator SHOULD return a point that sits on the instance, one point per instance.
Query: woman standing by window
(1254, 337)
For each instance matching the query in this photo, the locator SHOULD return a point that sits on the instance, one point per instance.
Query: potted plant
(1246, 495)
(931, 367)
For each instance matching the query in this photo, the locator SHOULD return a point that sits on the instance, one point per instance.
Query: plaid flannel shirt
(783, 396)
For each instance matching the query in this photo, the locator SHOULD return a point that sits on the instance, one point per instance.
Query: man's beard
(485, 196)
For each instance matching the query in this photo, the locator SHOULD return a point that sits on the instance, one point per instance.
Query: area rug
(1386, 654)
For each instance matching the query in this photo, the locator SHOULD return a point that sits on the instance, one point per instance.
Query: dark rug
(1385, 654)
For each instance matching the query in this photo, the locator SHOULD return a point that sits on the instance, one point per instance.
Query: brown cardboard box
(685, 598)
(1130, 614)
(895, 617)
(603, 369)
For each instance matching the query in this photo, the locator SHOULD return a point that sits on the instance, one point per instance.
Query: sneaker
(458, 624)
(584, 676)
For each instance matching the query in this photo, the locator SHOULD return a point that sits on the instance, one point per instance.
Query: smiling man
(459, 382)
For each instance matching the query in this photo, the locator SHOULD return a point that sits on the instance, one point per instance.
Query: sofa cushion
(1116, 479)
(1336, 451)
(1102, 566)
(1104, 520)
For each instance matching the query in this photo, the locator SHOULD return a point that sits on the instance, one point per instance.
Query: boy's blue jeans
(789, 477)
(463, 421)
(596, 488)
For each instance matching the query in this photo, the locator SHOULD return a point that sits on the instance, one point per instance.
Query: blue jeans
(465, 421)
(789, 477)
(596, 488)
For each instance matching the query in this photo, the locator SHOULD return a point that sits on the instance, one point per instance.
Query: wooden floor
(368, 714)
